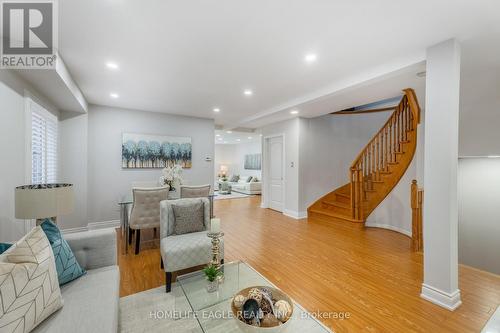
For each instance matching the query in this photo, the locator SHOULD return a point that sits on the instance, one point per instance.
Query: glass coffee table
(213, 310)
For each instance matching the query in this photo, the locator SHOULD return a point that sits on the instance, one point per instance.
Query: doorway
(274, 173)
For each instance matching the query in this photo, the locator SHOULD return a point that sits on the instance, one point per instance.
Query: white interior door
(276, 173)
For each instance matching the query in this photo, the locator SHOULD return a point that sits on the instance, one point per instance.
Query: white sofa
(242, 186)
(91, 302)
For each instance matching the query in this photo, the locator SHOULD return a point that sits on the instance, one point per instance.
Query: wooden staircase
(378, 167)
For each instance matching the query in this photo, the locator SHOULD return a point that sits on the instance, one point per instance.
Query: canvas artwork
(252, 161)
(141, 151)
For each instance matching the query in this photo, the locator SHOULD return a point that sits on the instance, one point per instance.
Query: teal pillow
(67, 267)
(4, 247)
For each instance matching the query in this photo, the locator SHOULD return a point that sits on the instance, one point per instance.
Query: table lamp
(223, 170)
(44, 201)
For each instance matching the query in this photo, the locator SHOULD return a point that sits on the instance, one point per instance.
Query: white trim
(389, 227)
(294, 214)
(265, 169)
(73, 230)
(103, 225)
(449, 301)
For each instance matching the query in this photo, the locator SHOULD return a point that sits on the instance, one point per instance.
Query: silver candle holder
(216, 236)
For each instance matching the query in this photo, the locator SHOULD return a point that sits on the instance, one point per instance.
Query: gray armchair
(185, 250)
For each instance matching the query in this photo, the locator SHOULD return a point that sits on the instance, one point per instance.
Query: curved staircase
(378, 167)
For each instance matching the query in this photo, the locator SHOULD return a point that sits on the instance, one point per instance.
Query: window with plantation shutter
(43, 145)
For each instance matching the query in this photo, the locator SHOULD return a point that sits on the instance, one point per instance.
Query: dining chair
(199, 191)
(146, 210)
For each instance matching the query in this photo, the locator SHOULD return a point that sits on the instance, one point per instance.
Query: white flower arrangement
(171, 175)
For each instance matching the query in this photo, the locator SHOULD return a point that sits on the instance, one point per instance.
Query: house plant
(171, 175)
(212, 273)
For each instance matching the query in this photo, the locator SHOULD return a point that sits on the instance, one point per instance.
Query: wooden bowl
(278, 295)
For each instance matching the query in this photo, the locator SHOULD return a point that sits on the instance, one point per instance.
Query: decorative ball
(250, 309)
(267, 292)
(283, 310)
(266, 305)
(269, 320)
(255, 294)
(238, 301)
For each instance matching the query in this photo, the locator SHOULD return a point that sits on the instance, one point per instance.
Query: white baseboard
(441, 298)
(294, 214)
(103, 224)
(263, 205)
(93, 226)
(73, 230)
(390, 227)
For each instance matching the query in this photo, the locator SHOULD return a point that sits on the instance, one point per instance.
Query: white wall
(15, 165)
(73, 165)
(479, 212)
(330, 143)
(108, 182)
(233, 156)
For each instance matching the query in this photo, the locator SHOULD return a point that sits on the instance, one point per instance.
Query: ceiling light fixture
(248, 92)
(294, 112)
(249, 138)
(311, 57)
(225, 141)
(112, 65)
(493, 156)
(217, 134)
(238, 140)
(114, 95)
(216, 110)
(229, 132)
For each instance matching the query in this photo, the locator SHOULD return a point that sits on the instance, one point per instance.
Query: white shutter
(43, 145)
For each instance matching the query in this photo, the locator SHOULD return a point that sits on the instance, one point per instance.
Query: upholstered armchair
(181, 251)
(195, 191)
(146, 211)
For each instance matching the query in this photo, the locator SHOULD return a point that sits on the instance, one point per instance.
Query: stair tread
(336, 215)
(337, 203)
(345, 195)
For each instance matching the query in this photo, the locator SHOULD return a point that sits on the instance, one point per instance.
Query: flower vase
(212, 286)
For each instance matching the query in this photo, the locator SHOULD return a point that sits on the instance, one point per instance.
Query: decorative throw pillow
(249, 179)
(189, 218)
(67, 267)
(28, 283)
(234, 179)
(255, 180)
(4, 247)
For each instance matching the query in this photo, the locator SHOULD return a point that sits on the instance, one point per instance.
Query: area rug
(233, 195)
(155, 310)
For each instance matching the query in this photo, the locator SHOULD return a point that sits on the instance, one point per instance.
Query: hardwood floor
(370, 273)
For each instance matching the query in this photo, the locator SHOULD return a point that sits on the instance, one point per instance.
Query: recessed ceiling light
(260, 134)
(294, 111)
(311, 57)
(249, 138)
(217, 134)
(112, 65)
(248, 92)
(238, 140)
(225, 141)
(114, 95)
(229, 132)
(216, 110)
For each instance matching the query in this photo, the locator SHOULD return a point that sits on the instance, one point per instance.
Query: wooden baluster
(386, 149)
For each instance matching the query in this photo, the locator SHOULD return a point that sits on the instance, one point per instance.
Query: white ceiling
(223, 137)
(187, 57)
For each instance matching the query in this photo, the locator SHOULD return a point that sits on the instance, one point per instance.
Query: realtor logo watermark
(29, 34)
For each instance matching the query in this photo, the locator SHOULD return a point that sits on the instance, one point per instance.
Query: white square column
(440, 220)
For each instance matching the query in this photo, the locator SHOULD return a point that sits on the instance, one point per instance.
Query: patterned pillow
(68, 268)
(249, 179)
(4, 247)
(234, 179)
(28, 283)
(189, 218)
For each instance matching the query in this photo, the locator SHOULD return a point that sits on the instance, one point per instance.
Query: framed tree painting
(252, 162)
(141, 151)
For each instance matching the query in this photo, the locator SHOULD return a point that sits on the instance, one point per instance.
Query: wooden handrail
(390, 108)
(382, 150)
(416, 200)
